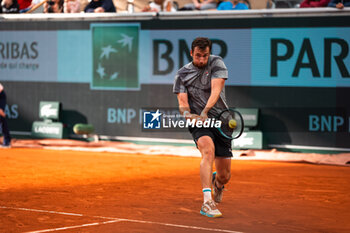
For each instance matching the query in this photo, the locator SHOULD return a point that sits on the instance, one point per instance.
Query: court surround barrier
(244, 37)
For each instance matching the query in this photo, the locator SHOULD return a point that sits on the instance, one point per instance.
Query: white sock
(206, 194)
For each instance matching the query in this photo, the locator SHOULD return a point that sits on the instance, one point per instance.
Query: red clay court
(72, 191)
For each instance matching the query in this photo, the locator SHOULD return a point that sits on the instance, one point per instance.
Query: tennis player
(199, 86)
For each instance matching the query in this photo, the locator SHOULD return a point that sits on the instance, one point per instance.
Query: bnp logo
(115, 56)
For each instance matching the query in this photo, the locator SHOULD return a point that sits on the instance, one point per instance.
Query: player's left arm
(217, 84)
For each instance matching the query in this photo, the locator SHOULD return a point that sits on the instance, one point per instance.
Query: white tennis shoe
(209, 209)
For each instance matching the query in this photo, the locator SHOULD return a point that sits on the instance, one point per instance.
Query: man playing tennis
(199, 86)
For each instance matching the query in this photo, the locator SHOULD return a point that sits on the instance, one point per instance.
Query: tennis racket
(232, 124)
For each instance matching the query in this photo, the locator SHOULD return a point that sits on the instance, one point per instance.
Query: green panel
(115, 56)
(249, 140)
(49, 110)
(250, 116)
(42, 129)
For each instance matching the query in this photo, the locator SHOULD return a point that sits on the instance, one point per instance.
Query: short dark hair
(201, 43)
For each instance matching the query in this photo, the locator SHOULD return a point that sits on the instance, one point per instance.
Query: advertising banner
(107, 73)
(301, 57)
(28, 56)
(122, 56)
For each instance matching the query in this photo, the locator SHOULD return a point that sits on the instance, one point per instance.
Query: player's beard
(200, 65)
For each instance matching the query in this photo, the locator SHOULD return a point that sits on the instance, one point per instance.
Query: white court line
(113, 220)
(180, 226)
(72, 227)
(43, 211)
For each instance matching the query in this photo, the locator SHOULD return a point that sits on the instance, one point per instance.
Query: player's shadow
(274, 130)
(71, 117)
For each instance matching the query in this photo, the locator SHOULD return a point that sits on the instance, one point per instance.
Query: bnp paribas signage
(115, 56)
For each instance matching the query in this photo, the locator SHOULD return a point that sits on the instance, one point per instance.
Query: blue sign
(123, 56)
(302, 57)
(152, 120)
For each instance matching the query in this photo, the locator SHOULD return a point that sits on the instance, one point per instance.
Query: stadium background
(139, 4)
(46, 186)
(56, 59)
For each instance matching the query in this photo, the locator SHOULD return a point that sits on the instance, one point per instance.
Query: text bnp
(327, 123)
(163, 51)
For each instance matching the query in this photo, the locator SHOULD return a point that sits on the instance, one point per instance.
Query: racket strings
(225, 119)
(235, 128)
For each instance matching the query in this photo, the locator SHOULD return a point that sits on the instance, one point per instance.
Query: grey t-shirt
(197, 84)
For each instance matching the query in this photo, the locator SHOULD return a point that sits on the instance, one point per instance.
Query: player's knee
(224, 177)
(208, 154)
(206, 148)
(209, 150)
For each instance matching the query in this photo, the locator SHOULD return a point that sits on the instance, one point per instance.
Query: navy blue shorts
(222, 144)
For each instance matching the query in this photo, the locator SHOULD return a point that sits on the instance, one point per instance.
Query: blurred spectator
(9, 6)
(83, 4)
(340, 4)
(314, 3)
(160, 5)
(53, 6)
(71, 6)
(100, 6)
(200, 5)
(32, 5)
(232, 5)
(23, 4)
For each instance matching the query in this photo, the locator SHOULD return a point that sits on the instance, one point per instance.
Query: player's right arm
(180, 90)
(184, 107)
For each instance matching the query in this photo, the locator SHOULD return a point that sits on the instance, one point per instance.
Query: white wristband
(186, 113)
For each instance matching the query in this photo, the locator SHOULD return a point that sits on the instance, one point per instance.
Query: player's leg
(223, 154)
(223, 170)
(206, 147)
(222, 176)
